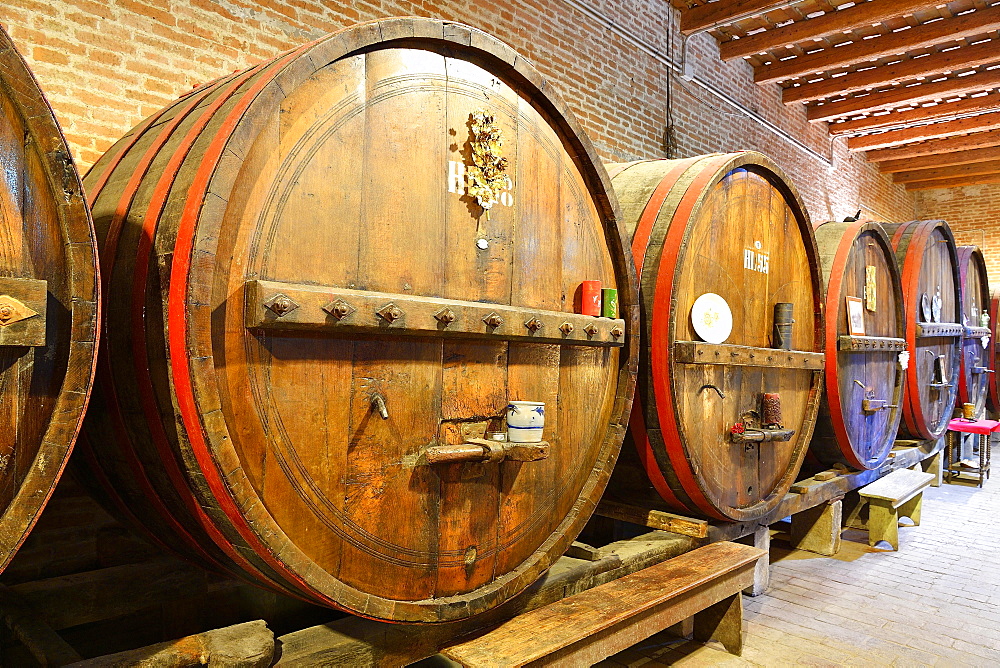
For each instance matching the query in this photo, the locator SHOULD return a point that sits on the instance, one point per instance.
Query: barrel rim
(967, 255)
(913, 415)
(660, 330)
(195, 382)
(834, 305)
(82, 284)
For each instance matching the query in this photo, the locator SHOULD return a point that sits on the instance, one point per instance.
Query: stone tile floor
(935, 602)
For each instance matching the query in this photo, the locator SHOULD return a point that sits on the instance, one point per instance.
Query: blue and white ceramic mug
(525, 421)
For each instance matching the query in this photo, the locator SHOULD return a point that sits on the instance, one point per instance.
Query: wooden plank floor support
(354, 641)
(247, 645)
(46, 646)
(591, 626)
(899, 494)
(935, 466)
(818, 529)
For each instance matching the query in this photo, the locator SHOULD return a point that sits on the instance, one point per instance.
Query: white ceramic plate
(711, 317)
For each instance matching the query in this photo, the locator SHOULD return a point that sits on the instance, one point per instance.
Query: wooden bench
(898, 494)
(590, 626)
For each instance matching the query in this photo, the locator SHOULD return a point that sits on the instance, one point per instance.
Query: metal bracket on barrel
(22, 312)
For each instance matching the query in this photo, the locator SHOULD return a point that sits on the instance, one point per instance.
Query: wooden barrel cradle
(976, 367)
(862, 405)
(731, 225)
(992, 382)
(48, 301)
(925, 251)
(327, 277)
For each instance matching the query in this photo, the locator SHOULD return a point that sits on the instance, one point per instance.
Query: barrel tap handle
(713, 387)
(378, 401)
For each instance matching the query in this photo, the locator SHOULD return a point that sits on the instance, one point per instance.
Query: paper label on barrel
(754, 259)
(458, 183)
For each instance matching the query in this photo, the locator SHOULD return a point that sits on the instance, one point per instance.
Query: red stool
(982, 427)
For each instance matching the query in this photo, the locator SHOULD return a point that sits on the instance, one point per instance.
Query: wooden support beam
(968, 105)
(974, 169)
(935, 146)
(865, 50)
(863, 14)
(724, 12)
(905, 70)
(940, 160)
(981, 123)
(655, 519)
(896, 97)
(955, 182)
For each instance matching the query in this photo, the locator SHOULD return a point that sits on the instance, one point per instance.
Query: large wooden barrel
(993, 382)
(732, 226)
(976, 367)
(925, 251)
(316, 326)
(48, 301)
(862, 406)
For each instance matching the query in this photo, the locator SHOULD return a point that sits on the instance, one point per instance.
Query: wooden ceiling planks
(912, 82)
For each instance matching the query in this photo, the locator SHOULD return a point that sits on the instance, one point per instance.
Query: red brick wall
(973, 213)
(106, 64)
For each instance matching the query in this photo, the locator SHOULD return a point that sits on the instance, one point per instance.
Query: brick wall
(106, 64)
(972, 212)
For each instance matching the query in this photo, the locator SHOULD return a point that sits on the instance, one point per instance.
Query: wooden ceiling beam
(909, 94)
(919, 115)
(940, 160)
(862, 51)
(935, 146)
(906, 70)
(954, 182)
(862, 14)
(974, 169)
(715, 14)
(902, 136)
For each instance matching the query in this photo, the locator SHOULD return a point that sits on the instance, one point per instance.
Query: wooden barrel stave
(49, 332)
(925, 251)
(845, 432)
(973, 385)
(318, 523)
(681, 429)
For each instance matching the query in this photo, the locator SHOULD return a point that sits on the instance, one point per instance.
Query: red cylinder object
(590, 302)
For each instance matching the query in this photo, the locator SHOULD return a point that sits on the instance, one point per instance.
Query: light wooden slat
(868, 13)
(672, 586)
(936, 146)
(981, 123)
(938, 160)
(724, 12)
(861, 51)
(654, 519)
(954, 182)
(973, 169)
(906, 70)
(910, 94)
(967, 105)
(698, 352)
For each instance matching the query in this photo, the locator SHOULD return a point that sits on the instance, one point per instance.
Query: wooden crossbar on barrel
(731, 225)
(315, 322)
(48, 301)
(863, 401)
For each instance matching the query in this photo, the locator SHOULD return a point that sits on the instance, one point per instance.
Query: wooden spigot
(483, 450)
